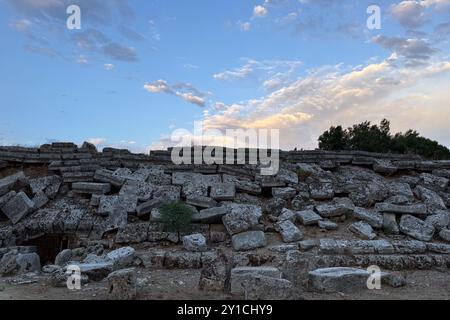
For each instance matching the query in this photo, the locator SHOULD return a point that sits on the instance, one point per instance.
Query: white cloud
(182, 90)
(108, 66)
(244, 26)
(97, 141)
(260, 12)
(272, 73)
(305, 108)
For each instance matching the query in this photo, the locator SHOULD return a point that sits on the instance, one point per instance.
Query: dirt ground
(182, 285)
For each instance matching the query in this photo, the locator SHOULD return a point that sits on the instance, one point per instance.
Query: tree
(334, 139)
(374, 138)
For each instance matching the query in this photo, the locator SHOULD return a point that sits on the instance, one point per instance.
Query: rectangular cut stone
(91, 188)
(18, 207)
(107, 176)
(223, 191)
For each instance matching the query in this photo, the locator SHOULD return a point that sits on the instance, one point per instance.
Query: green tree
(374, 138)
(334, 139)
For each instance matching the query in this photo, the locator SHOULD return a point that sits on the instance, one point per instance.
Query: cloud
(43, 22)
(181, 90)
(97, 141)
(260, 12)
(108, 66)
(273, 73)
(410, 14)
(416, 13)
(414, 50)
(244, 26)
(335, 95)
(119, 52)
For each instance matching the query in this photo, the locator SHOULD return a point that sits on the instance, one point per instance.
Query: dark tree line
(378, 138)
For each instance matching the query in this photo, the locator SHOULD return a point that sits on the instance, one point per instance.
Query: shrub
(176, 217)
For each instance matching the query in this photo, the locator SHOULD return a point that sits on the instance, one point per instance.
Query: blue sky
(137, 70)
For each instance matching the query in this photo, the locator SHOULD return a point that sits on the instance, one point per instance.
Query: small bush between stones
(176, 217)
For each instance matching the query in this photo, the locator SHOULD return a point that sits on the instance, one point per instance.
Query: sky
(138, 70)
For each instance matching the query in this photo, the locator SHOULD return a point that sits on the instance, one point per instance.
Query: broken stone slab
(147, 207)
(289, 232)
(328, 225)
(132, 233)
(373, 218)
(307, 245)
(152, 259)
(107, 176)
(183, 260)
(122, 284)
(17, 180)
(63, 258)
(362, 230)
(215, 272)
(249, 240)
(241, 217)
(333, 210)
(414, 209)
(223, 191)
(139, 190)
(50, 185)
(243, 184)
(121, 258)
(201, 202)
(416, 228)
(240, 275)
(95, 271)
(18, 207)
(445, 235)
(354, 247)
(210, 216)
(28, 262)
(431, 199)
(400, 189)
(6, 198)
(259, 287)
(284, 193)
(195, 243)
(283, 248)
(321, 191)
(439, 220)
(192, 189)
(390, 225)
(434, 182)
(384, 167)
(40, 200)
(340, 279)
(91, 188)
(3, 164)
(409, 247)
(287, 214)
(308, 217)
(439, 248)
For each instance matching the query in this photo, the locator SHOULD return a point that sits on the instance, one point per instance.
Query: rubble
(195, 243)
(122, 284)
(18, 207)
(104, 208)
(289, 232)
(249, 240)
(416, 228)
